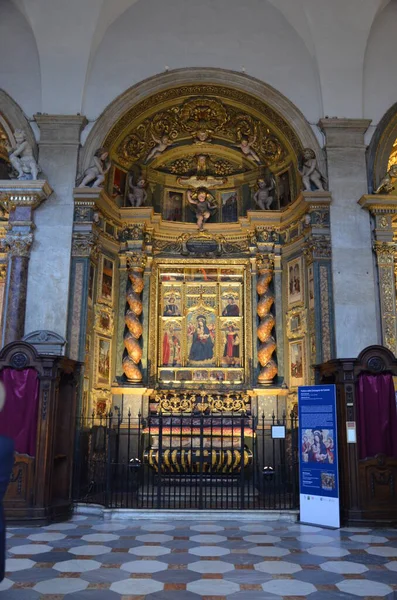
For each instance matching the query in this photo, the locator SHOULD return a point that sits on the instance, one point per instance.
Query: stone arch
(288, 112)
(381, 147)
(14, 118)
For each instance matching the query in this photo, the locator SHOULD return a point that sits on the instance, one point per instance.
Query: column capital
(318, 247)
(84, 244)
(344, 132)
(264, 262)
(136, 260)
(19, 244)
(60, 130)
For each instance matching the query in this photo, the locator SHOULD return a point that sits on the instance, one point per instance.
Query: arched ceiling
(317, 58)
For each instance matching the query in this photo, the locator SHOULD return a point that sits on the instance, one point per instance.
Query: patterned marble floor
(87, 558)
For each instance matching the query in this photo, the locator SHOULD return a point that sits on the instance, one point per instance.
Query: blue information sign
(318, 455)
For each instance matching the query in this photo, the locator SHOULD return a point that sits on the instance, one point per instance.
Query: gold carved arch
(204, 119)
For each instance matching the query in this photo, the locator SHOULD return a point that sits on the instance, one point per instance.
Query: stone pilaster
(317, 252)
(352, 263)
(383, 209)
(19, 199)
(49, 270)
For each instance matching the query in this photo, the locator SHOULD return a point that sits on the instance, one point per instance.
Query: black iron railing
(187, 461)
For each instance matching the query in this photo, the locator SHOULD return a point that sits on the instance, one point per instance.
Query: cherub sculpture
(310, 172)
(263, 197)
(96, 172)
(387, 185)
(203, 203)
(137, 194)
(161, 145)
(246, 148)
(21, 157)
(202, 136)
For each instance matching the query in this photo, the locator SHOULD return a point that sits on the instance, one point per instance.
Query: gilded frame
(156, 298)
(296, 351)
(103, 320)
(107, 298)
(101, 395)
(296, 323)
(295, 295)
(101, 380)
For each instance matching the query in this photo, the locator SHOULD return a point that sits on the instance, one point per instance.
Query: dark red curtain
(18, 419)
(376, 416)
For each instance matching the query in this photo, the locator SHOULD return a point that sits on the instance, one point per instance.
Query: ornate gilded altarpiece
(200, 322)
(244, 304)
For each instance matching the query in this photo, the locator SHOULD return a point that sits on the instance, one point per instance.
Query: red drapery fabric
(18, 419)
(376, 416)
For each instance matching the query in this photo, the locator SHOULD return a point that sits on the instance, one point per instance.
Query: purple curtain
(376, 416)
(19, 417)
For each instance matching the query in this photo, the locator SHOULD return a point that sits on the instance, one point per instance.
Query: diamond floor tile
(92, 559)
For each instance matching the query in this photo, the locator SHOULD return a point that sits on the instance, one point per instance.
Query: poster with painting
(106, 281)
(102, 360)
(295, 281)
(231, 348)
(173, 206)
(171, 343)
(310, 273)
(229, 206)
(201, 338)
(230, 302)
(297, 366)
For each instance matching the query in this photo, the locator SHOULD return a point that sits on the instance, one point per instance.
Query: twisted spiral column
(267, 343)
(133, 332)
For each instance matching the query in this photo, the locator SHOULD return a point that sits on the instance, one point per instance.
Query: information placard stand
(318, 456)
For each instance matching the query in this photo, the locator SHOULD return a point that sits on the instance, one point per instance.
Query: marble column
(50, 261)
(20, 200)
(354, 276)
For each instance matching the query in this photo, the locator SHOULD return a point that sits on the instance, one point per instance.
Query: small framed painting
(229, 207)
(104, 320)
(102, 362)
(91, 278)
(296, 363)
(310, 275)
(296, 323)
(106, 281)
(295, 282)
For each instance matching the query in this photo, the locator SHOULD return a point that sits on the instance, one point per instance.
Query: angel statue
(263, 197)
(203, 203)
(246, 148)
(21, 157)
(97, 171)
(310, 172)
(161, 145)
(386, 186)
(137, 194)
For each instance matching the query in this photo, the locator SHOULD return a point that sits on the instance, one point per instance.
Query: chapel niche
(208, 137)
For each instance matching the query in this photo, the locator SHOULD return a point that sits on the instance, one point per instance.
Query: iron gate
(195, 462)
